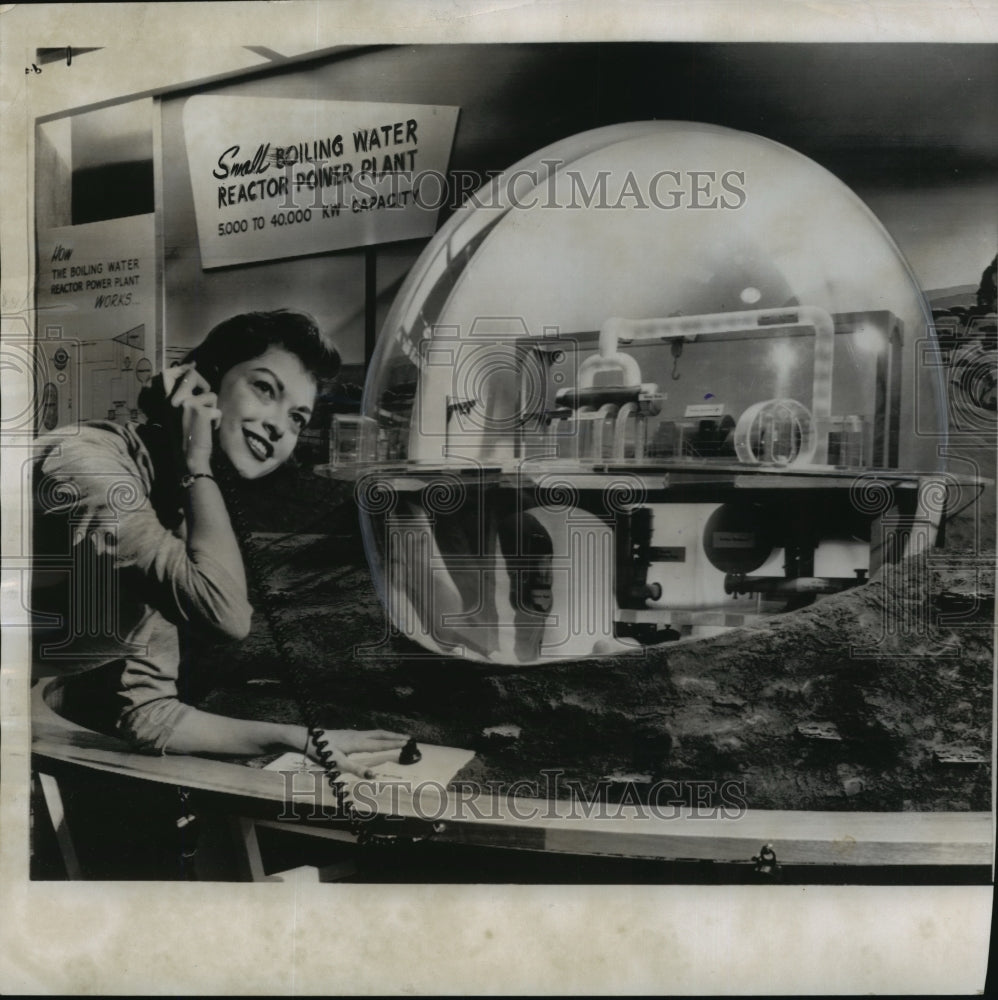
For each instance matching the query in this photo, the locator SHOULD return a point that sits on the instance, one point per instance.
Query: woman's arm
(196, 413)
(204, 577)
(209, 531)
(206, 733)
(94, 488)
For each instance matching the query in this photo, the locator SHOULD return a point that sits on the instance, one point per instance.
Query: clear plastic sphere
(657, 381)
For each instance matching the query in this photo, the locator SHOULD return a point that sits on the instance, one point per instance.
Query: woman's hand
(196, 412)
(343, 742)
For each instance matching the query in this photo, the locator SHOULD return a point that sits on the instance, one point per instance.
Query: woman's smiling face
(266, 403)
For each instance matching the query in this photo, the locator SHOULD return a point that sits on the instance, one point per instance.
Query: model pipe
(646, 397)
(616, 330)
(645, 592)
(736, 583)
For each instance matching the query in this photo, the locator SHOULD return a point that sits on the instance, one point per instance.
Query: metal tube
(734, 583)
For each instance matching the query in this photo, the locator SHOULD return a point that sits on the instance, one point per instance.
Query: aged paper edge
(223, 939)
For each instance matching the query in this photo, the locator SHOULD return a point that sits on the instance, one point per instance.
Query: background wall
(911, 130)
(513, 99)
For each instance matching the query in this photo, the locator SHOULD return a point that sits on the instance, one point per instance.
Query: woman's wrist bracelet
(187, 481)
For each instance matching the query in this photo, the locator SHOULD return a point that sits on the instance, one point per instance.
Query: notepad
(438, 766)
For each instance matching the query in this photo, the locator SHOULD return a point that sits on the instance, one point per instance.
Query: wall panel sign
(97, 280)
(275, 177)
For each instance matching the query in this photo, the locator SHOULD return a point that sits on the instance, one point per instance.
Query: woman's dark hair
(986, 292)
(249, 335)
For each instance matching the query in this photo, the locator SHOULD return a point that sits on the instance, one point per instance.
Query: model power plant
(654, 382)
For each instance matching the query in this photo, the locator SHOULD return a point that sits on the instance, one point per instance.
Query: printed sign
(98, 279)
(670, 553)
(97, 300)
(705, 410)
(734, 540)
(275, 177)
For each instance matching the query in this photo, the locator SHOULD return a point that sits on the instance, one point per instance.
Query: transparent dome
(656, 381)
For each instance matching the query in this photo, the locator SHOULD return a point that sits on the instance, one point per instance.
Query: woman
(151, 547)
